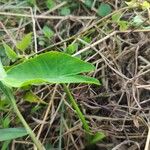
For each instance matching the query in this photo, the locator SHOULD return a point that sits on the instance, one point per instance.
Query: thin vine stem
(7, 91)
(77, 109)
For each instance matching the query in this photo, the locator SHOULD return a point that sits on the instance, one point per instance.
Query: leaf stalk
(77, 109)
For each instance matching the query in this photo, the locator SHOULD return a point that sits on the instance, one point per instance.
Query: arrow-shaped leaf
(50, 67)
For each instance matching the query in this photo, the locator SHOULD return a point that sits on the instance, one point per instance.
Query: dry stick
(98, 118)
(144, 60)
(18, 28)
(58, 107)
(74, 128)
(23, 142)
(94, 44)
(48, 17)
(143, 86)
(125, 142)
(147, 145)
(34, 30)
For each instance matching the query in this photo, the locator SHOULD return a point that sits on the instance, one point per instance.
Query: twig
(125, 142)
(34, 30)
(147, 145)
(49, 17)
(94, 44)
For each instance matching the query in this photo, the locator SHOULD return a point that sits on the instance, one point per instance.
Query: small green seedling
(25, 42)
(50, 4)
(48, 68)
(48, 32)
(104, 9)
(64, 11)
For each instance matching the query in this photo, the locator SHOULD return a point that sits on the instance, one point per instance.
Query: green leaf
(148, 27)
(104, 9)
(4, 102)
(49, 146)
(50, 67)
(137, 20)
(11, 133)
(87, 39)
(50, 3)
(88, 3)
(32, 98)
(64, 11)
(72, 48)
(123, 25)
(48, 32)
(25, 42)
(97, 137)
(145, 5)
(116, 17)
(9, 52)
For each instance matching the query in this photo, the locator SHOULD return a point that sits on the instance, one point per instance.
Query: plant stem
(7, 91)
(76, 107)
